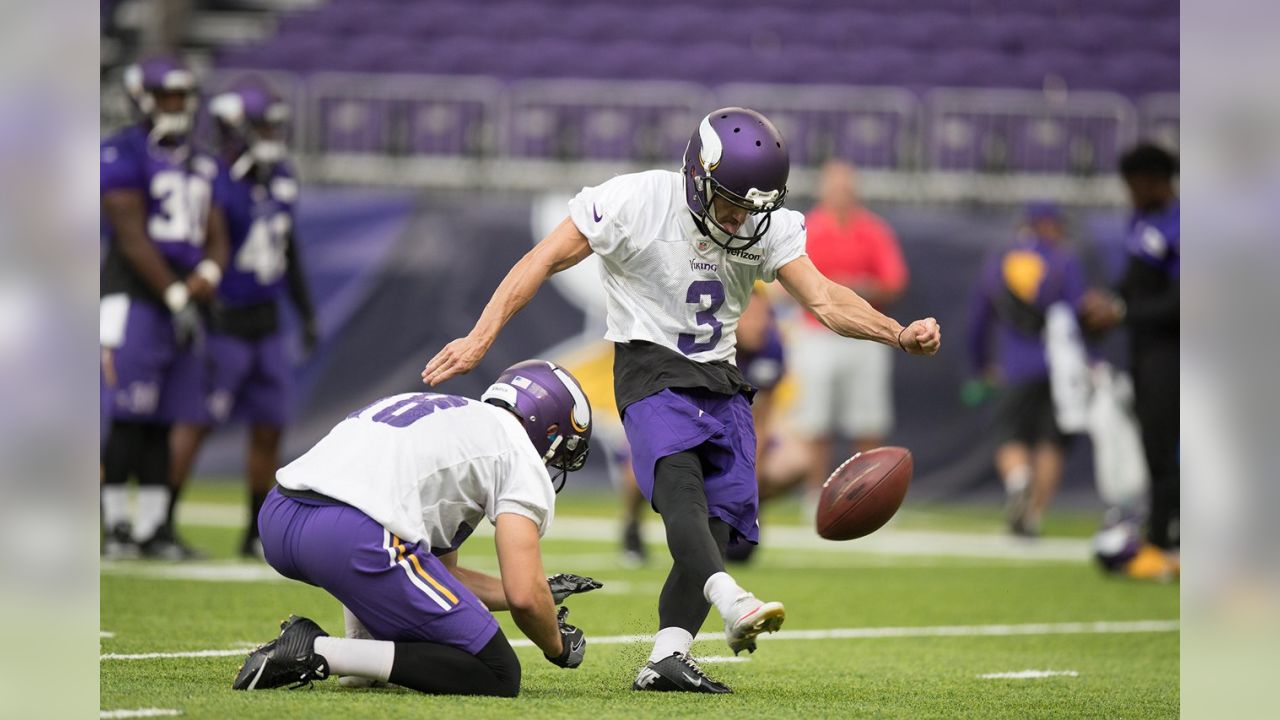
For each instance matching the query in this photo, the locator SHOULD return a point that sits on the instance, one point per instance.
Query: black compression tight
(446, 670)
(697, 544)
(138, 449)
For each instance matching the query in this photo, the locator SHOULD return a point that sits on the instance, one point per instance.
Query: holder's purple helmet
(146, 81)
(252, 121)
(553, 409)
(737, 155)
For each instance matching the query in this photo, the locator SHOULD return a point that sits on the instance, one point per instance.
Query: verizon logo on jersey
(703, 265)
(743, 256)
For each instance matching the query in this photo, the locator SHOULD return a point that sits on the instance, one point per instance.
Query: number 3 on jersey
(713, 292)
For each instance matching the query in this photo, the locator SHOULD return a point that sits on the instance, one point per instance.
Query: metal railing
(987, 145)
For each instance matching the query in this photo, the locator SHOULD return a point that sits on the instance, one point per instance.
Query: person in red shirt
(846, 388)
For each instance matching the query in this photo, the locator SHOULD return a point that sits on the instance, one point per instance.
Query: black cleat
(676, 673)
(290, 658)
(118, 543)
(166, 545)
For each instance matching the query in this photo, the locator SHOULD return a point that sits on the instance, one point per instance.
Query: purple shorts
(156, 381)
(719, 429)
(249, 379)
(398, 590)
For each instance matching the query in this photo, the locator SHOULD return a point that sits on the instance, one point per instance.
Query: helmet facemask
(167, 99)
(255, 139)
(756, 204)
(566, 456)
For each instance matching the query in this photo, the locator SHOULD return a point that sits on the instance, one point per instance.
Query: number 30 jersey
(428, 467)
(665, 282)
(260, 227)
(177, 190)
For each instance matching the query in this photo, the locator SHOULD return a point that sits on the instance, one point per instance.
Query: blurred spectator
(846, 387)
(1147, 302)
(1014, 294)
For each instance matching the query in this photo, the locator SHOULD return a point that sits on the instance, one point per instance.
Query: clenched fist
(922, 337)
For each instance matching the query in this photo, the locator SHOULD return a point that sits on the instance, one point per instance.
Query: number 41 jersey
(665, 282)
(428, 467)
(260, 226)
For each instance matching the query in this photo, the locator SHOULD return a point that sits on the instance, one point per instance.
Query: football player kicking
(376, 511)
(250, 374)
(680, 254)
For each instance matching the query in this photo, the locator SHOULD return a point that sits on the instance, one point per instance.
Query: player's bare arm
(843, 311)
(203, 281)
(565, 247)
(486, 587)
(524, 584)
(126, 211)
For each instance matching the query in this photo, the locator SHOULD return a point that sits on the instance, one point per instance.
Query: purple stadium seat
(871, 140)
(877, 66)
(1138, 73)
(1078, 71)
(354, 126)
(922, 31)
(445, 128)
(969, 68)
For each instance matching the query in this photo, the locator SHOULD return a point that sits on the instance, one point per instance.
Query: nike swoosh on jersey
(596, 213)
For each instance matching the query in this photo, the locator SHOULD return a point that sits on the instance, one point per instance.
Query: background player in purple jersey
(1010, 306)
(165, 252)
(1147, 302)
(249, 370)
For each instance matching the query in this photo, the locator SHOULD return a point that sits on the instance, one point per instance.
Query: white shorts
(846, 386)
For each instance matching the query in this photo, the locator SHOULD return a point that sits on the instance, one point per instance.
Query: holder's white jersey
(665, 282)
(428, 467)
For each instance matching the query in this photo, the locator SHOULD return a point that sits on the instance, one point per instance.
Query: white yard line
(140, 713)
(888, 541)
(1071, 628)
(723, 659)
(105, 634)
(1029, 674)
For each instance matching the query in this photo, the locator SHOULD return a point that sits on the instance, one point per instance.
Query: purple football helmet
(553, 409)
(736, 155)
(252, 122)
(150, 84)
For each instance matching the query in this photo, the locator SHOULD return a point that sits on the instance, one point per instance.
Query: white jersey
(665, 282)
(428, 467)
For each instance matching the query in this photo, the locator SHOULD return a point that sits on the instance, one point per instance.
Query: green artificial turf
(1126, 674)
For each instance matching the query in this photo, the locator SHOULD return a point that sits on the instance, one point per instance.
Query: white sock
(722, 591)
(115, 505)
(363, 658)
(670, 640)
(355, 629)
(1018, 479)
(153, 506)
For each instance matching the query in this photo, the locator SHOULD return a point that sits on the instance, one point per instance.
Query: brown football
(863, 493)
